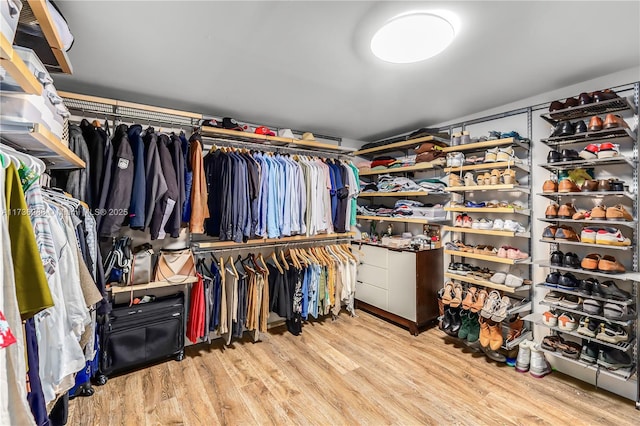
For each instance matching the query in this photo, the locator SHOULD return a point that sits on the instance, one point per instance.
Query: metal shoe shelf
(577, 293)
(621, 373)
(625, 322)
(627, 139)
(621, 346)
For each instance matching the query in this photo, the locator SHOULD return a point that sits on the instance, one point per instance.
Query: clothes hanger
(285, 264)
(263, 266)
(276, 263)
(233, 267)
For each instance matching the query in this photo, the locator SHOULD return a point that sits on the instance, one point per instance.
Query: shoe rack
(466, 189)
(619, 162)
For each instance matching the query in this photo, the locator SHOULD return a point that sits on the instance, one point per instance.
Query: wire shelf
(583, 111)
(589, 137)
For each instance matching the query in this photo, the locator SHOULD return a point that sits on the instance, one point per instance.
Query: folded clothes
(408, 203)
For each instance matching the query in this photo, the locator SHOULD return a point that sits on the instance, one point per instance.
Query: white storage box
(10, 10)
(20, 107)
(433, 213)
(34, 65)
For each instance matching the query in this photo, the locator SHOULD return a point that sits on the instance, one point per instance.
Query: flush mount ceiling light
(413, 37)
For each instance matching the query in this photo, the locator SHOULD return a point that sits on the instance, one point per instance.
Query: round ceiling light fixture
(414, 36)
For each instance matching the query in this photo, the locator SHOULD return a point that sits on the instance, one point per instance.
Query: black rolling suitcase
(133, 336)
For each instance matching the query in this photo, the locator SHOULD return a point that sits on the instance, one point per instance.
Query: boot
(446, 320)
(539, 366)
(524, 356)
(440, 308)
(456, 322)
(464, 329)
(495, 333)
(474, 328)
(485, 334)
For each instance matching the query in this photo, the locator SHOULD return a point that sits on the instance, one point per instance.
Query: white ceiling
(306, 65)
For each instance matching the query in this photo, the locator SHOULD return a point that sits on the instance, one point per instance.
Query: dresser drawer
(373, 275)
(372, 295)
(376, 256)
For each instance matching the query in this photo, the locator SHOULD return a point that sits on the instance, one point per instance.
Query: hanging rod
(209, 141)
(249, 246)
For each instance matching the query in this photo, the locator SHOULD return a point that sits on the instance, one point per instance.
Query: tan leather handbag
(175, 266)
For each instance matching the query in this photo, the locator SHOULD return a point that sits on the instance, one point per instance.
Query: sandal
(469, 180)
(454, 180)
(500, 313)
(491, 305)
(494, 177)
(551, 343)
(509, 177)
(448, 293)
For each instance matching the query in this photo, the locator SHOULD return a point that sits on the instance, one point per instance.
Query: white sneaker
(513, 226)
(498, 224)
(524, 356)
(485, 224)
(539, 367)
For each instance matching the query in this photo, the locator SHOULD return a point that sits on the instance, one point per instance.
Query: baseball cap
(231, 124)
(263, 130)
(286, 133)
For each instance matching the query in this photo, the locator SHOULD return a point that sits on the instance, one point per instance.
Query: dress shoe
(616, 185)
(552, 279)
(590, 261)
(566, 129)
(550, 232)
(595, 124)
(585, 99)
(580, 127)
(557, 257)
(555, 106)
(552, 211)
(604, 185)
(570, 155)
(567, 282)
(618, 212)
(611, 121)
(567, 185)
(571, 102)
(604, 95)
(571, 260)
(566, 233)
(610, 265)
(585, 287)
(554, 156)
(550, 186)
(590, 185)
(566, 211)
(590, 152)
(609, 290)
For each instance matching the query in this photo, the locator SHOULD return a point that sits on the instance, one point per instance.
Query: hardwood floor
(359, 370)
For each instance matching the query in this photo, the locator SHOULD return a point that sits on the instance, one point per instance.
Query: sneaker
(567, 322)
(570, 302)
(467, 221)
(524, 356)
(553, 297)
(590, 152)
(589, 353)
(513, 226)
(612, 333)
(614, 359)
(588, 234)
(485, 224)
(539, 366)
(612, 237)
(498, 225)
(589, 327)
(608, 150)
(550, 318)
(458, 222)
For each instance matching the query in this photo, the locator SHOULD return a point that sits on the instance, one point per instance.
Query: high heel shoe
(469, 180)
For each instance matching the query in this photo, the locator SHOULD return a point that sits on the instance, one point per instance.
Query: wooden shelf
(494, 259)
(396, 219)
(484, 283)
(399, 194)
(486, 166)
(258, 242)
(486, 232)
(40, 12)
(17, 69)
(37, 140)
(397, 146)
(179, 280)
(271, 140)
(488, 210)
(501, 187)
(414, 168)
(479, 146)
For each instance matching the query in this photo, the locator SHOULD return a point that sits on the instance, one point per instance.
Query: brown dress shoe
(590, 261)
(566, 233)
(566, 211)
(571, 102)
(481, 297)
(552, 211)
(567, 185)
(610, 264)
(585, 99)
(590, 185)
(604, 95)
(612, 121)
(550, 186)
(599, 212)
(556, 105)
(469, 298)
(618, 212)
(595, 124)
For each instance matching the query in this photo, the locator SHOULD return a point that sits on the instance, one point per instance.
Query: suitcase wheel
(180, 356)
(101, 380)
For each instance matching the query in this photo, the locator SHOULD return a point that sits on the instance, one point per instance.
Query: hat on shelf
(210, 122)
(264, 130)
(308, 136)
(231, 124)
(286, 133)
